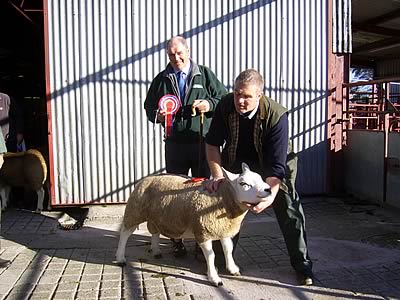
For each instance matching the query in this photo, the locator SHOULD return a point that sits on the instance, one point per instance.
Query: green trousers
(290, 215)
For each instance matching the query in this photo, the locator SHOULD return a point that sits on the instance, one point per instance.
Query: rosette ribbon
(171, 104)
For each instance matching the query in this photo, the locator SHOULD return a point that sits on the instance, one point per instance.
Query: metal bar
(48, 102)
(390, 79)
(33, 10)
(21, 11)
(385, 155)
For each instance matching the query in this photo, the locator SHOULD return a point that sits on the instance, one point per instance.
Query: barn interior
(22, 65)
(376, 34)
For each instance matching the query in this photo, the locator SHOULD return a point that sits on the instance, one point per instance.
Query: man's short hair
(179, 39)
(250, 76)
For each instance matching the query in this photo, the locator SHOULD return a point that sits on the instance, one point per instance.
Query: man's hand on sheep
(274, 183)
(260, 206)
(212, 186)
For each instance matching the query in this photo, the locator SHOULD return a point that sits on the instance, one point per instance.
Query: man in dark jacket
(3, 263)
(253, 128)
(196, 88)
(11, 116)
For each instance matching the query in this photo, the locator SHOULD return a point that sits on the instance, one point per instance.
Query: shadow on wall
(161, 46)
(311, 172)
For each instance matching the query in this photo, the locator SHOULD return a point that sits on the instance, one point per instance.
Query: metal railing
(372, 105)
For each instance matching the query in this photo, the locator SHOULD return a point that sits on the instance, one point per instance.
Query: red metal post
(48, 102)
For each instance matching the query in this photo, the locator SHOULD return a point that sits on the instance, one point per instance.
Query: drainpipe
(385, 153)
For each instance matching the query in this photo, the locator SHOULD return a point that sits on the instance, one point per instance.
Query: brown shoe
(305, 278)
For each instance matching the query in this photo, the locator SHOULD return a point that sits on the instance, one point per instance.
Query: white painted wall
(364, 166)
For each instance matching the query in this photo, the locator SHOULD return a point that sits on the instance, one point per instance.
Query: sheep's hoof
(236, 274)
(219, 283)
(216, 281)
(158, 256)
(121, 263)
(233, 270)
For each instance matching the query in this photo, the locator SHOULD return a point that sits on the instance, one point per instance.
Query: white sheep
(23, 169)
(178, 208)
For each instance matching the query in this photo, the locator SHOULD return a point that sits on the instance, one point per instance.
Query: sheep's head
(250, 188)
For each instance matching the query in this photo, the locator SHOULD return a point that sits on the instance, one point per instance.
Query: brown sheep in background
(23, 169)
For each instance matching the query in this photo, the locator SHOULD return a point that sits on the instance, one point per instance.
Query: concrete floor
(355, 248)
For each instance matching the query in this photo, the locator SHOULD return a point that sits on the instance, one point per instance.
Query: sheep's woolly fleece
(160, 199)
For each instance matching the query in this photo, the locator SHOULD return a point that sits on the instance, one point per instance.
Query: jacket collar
(195, 70)
(264, 107)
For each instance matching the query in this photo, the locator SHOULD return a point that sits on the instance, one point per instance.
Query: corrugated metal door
(102, 56)
(341, 26)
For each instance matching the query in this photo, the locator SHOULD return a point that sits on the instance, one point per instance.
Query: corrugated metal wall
(104, 54)
(341, 23)
(388, 68)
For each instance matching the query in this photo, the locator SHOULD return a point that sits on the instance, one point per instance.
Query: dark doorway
(22, 74)
(22, 65)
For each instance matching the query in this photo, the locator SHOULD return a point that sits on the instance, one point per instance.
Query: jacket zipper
(176, 90)
(174, 86)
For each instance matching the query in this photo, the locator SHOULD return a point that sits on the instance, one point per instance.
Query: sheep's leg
(209, 254)
(3, 197)
(123, 239)
(40, 199)
(155, 239)
(4, 194)
(47, 189)
(155, 245)
(231, 267)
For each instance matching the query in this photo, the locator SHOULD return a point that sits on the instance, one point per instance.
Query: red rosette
(171, 104)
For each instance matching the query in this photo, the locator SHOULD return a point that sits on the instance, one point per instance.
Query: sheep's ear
(229, 175)
(245, 167)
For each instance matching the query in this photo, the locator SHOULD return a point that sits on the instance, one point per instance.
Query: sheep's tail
(37, 155)
(14, 154)
(42, 162)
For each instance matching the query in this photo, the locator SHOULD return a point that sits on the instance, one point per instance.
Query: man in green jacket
(197, 89)
(3, 149)
(253, 128)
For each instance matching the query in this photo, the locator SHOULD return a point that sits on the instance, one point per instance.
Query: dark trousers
(290, 215)
(11, 145)
(180, 158)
